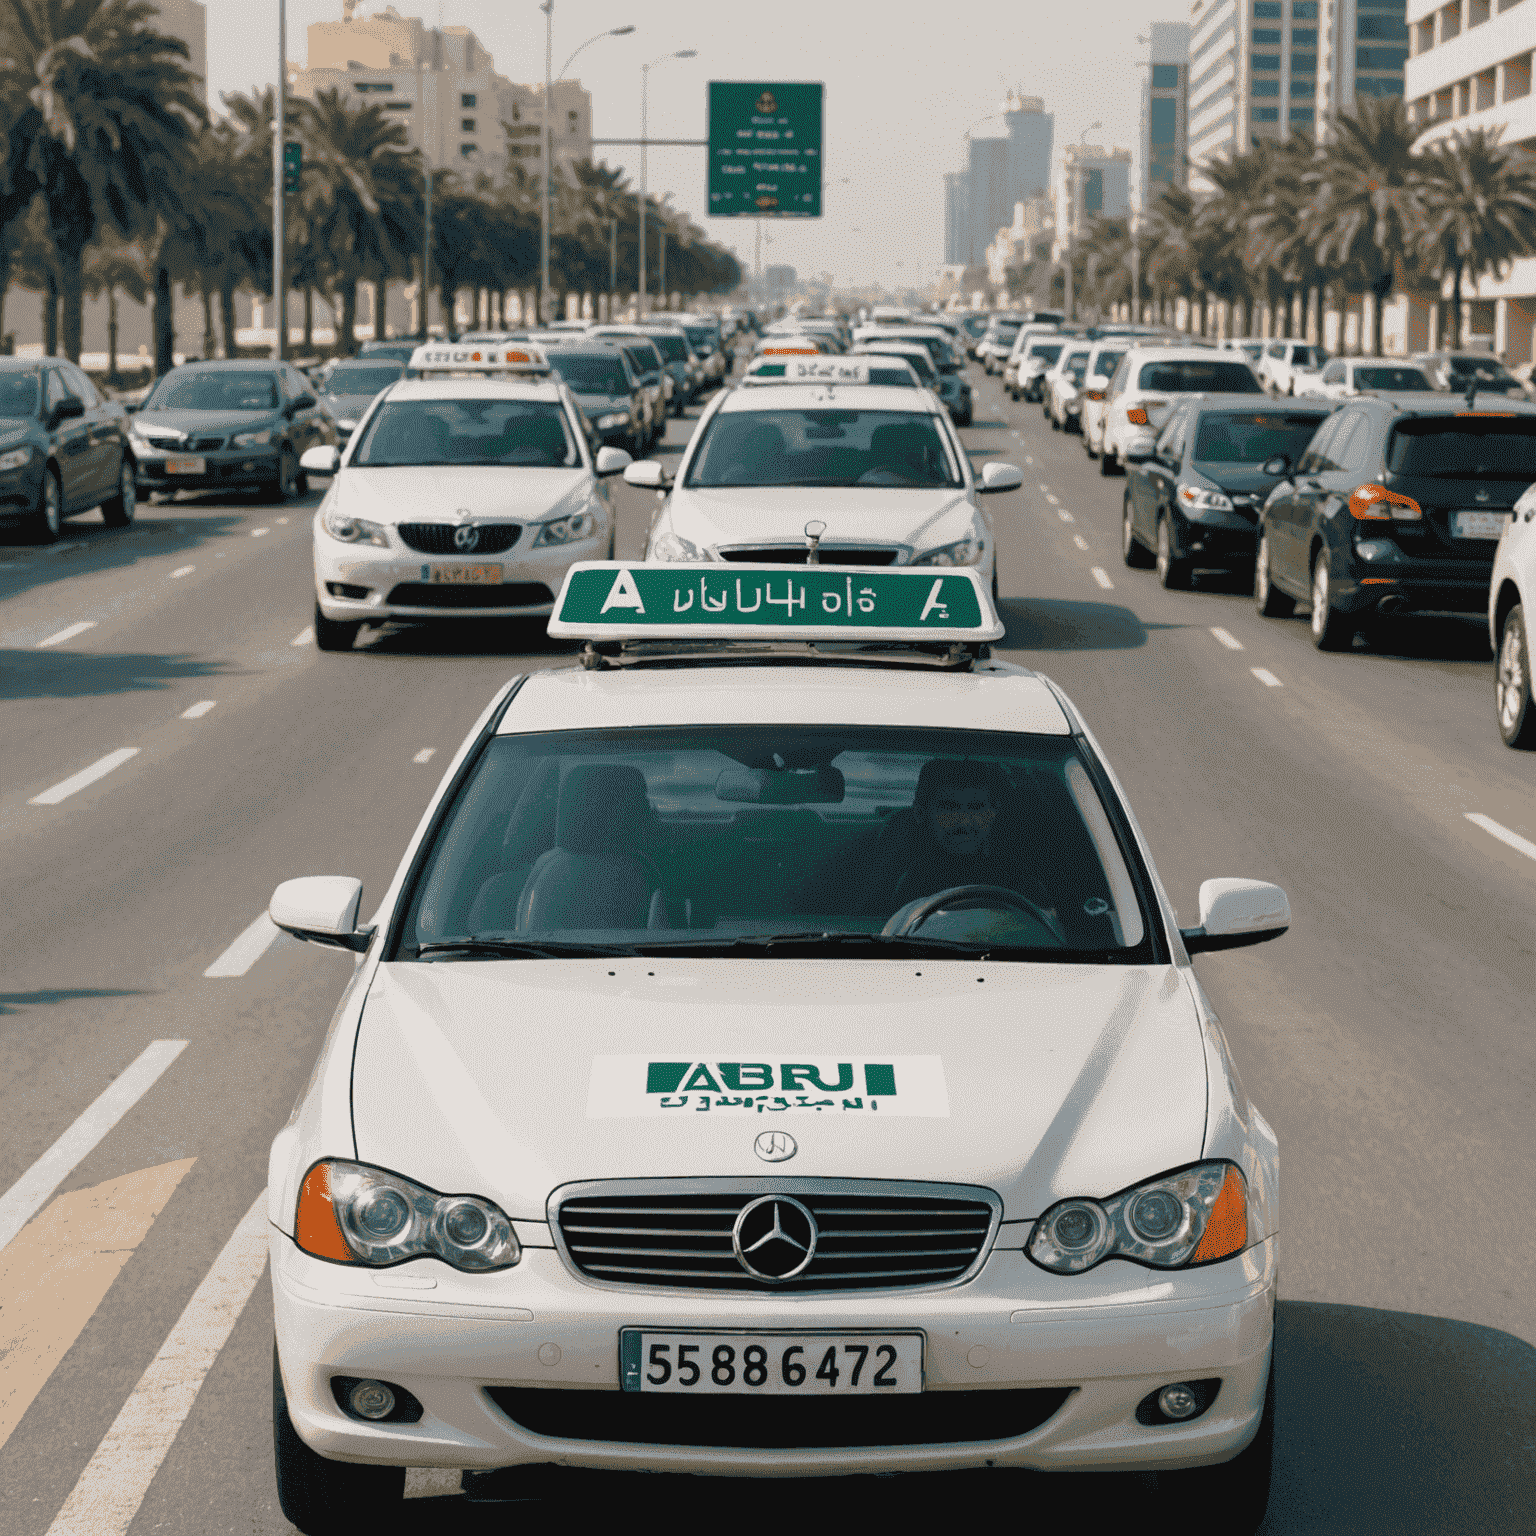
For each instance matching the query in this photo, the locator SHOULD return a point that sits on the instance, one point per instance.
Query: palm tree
(107, 109)
(1479, 201)
(112, 265)
(1277, 244)
(1172, 261)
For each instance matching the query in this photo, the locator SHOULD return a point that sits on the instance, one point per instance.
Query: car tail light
(1375, 503)
(1094, 394)
(1136, 416)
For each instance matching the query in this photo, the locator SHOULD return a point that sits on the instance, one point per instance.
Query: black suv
(1394, 508)
(1196, 501)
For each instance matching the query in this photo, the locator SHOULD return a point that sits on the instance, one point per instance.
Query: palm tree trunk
(1455, 315)
(5, 348)
(51, 316)
(210, 341)
(346, 343)
(164, 321)
(111, 333)
(72, 301)
(309, 319)
(227, 317)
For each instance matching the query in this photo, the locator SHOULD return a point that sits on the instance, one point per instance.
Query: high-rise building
(1165, 111)
(999, 173)
(1094, 182)
(187, 20)
(957, 222)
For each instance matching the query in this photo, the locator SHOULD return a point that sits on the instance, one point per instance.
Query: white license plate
(186, 466)
(771, 1364)
(462, 575)
(1479, 525)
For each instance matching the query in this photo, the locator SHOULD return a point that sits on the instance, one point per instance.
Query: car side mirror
(1000, 477)
(1280, 464)
(1234, 913)
(321, 909)
(646, 473)
(325, 460)
(67, 409)
(611, 460)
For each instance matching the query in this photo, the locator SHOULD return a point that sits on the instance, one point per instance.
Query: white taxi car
(466, 491)
(775, 1055)
(879, 471)
(1144, 389)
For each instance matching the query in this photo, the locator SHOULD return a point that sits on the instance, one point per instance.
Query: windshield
(643, 360)
(726, 835)
(221, 391)
(18, 394)
(590, 373)
(1075, 364)
(673, 348)
(1106, 363)
(921, 363)
(1308, 357)
(1048, 351)
(486, 431)
(362, 378)
(1484, 369)
(1460, 447)
(1390, 378)
(823, 447)
(1192, 376)
(1005, 332)
(1250, 437)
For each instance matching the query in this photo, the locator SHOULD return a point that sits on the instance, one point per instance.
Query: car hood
(870, 514)
(511, 1078)
(197, 423)
(601, 402)
(442, 492)
(349, 405)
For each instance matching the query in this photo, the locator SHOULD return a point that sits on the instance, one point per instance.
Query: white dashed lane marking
(67, 634)
(78, 781)
(1495, 829)
(1266, 677)
(425, 755)
(198, 710)
(1231, 641)
(257, 533)
(1101, 576)
(246, 950)
(1080, 541)
(1066, 517)
(304, 637)
(181, 570)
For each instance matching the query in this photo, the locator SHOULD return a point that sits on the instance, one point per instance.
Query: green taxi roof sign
(611, 600)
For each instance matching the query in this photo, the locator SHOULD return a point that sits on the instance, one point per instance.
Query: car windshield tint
(524, 432)
(1250, 437)
(673, 348)
(719, 835)
(919, 360)
(362, 378)
(1189, 376)
(1006, 332)
(823, 447)
(1390, 378)
(18, 395)
(1460, 447)
(219, 391)
(1044, 349)
(1106, 362)
(1308, 357)
(1075, 365)
(590, 373)
(1465, 369)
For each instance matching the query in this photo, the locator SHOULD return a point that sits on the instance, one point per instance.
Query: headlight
(565, 530)
(354, 1214)
(354, 530)
(668, 546)
(251, 439)
(613, 419)
(1211, 501)
(966, 552)
(156, 437)
(1195, 1216)
(15, 458)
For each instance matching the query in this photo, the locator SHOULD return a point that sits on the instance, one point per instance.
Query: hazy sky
(903, 81)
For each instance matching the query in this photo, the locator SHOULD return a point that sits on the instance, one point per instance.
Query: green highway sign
(764, 149)
(611, 600)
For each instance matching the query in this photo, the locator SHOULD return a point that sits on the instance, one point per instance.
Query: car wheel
(1172, 571)
(48, 520)
(1132, 550)
(1238, 1488)
(320, 1496)
(1272, 603)
(334, 634)
(1331, 630)
(1055, 425)
(994, 584)
(284, 486)
(1512, 683)
(119, 511)
(1107, 462)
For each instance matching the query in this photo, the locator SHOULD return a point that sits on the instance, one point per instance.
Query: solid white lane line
(115, 1480)
(181, 570)
(1504, 835)
(1231, 641)
(425, 755)
(252, 944)
(1101, 576)
(198, 710)
(1266, 677)
(1066, 517)
(257, 533)
(78, 781)
(67, 634)
(27, 1196)
(1080, 541)
(304, 637)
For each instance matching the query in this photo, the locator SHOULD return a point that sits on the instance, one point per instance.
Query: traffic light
(293, 166)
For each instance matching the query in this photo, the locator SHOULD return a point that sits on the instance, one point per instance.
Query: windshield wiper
(472, 948)
(909, 946)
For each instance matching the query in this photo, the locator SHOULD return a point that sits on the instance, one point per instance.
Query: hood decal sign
(631, 1087)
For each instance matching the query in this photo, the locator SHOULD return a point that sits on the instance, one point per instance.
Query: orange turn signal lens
(1136, 416)
(316, 1229)
(1375, 503)
(1226, 1228)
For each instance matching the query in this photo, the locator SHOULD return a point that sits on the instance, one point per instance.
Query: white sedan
(880, 471)
(782, 1004)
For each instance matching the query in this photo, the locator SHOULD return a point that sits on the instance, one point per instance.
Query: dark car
(237, 425)
(1459, 371)
(607, 391)
(677, 357)
(1195, 503)
(353, 385)
(1394, 508)
(646, 365)
(63, 449)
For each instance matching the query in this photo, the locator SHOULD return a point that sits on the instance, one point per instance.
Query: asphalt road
(1387, 1037)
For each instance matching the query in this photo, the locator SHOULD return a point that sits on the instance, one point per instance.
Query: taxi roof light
(521, 357)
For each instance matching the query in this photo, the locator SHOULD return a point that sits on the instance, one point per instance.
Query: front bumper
(223, 470)
(1216, 539)
(21, 491)
(1107, 1339)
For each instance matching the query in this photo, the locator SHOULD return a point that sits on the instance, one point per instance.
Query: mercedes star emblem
(774, 1238)
(466, 538)
(775, 1146)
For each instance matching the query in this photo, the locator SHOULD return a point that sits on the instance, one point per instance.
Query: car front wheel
(48, 520)
(286, 484)
(1331, 629)
(1132, 550)
(1512, 684)
(119, 511)
(1172, 571)
(334, 634)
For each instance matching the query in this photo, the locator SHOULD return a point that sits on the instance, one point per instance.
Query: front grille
(773, 1423)
(511, 594)
(794, 554)
(680, 1236)
(205, 444)
(440, 538)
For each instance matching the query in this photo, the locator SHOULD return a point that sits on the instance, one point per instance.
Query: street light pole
(1069, 297)
(279, 135)
(645, 134)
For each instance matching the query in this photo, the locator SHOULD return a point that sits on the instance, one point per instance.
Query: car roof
(579, 346)
(220, 364)
(459, 387)
(853, 397)
(1414, 403)
(1227, 401)
(983, 699)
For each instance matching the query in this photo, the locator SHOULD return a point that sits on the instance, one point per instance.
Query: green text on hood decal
(789, 1083)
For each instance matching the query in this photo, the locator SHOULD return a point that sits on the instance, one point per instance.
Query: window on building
(1387, 29)
(573, 122)
(1165, 77)
(1266, 87)
(1378, 85)
(1266, 10)
(1303, 37)
(373, 85)
(469, 151)
(398, 106)
(1303, 63)
(1266, 37)
(467, 101)
(1380, 58)
(1163, 120)
(1302, 115)
(1304, 10)
(1302, 86)
(466, 125)
(1266, 114)
(1266, 61)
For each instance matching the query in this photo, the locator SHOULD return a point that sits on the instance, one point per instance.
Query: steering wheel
(963, 896)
